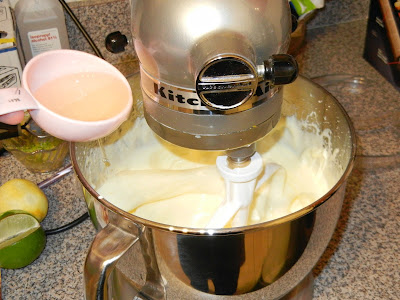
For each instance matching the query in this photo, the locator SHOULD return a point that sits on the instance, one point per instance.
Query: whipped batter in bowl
(169, 184)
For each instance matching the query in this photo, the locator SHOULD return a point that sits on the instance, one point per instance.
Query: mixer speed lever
(280, 69)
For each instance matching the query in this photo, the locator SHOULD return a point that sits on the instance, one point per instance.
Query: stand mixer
(211, 75)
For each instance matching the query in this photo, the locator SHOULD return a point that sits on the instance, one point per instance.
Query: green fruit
(22, 240)
(12, 212)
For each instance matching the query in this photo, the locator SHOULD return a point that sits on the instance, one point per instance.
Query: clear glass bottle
(41, 26)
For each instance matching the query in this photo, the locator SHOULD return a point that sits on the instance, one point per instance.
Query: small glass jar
(38, 151)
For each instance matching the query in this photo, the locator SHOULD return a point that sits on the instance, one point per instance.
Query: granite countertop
(362, 260)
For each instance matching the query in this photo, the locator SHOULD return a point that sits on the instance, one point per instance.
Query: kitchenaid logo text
(172, 96)
(183, 98)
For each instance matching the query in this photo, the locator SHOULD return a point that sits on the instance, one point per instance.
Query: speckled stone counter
(362, 260)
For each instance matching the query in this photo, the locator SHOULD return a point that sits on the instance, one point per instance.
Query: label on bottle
(44, 40)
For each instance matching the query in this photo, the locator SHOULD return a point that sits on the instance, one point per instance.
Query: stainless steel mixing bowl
(133, 257)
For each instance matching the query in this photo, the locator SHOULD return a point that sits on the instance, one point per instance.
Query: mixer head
(211, 70)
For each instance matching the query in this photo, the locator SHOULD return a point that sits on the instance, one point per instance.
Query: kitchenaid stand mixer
(211, 75)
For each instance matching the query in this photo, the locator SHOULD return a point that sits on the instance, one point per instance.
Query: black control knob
(281, 69)
(116, 42)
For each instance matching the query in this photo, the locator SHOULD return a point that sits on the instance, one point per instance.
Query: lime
(11, 212)
(22, 240)
(22, 194)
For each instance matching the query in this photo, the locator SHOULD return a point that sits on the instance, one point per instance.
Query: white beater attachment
(240, 183)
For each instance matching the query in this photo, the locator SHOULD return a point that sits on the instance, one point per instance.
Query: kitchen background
(101, 17)
(362, 260)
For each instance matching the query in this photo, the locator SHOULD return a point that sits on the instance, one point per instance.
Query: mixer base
(120, 287)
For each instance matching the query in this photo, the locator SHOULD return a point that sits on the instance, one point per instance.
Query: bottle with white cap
(41, 26)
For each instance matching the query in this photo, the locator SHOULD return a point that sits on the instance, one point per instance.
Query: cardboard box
(10, 63)
(382, 44)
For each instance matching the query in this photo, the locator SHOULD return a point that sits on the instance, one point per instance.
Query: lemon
(22, 194)
(22, 240)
